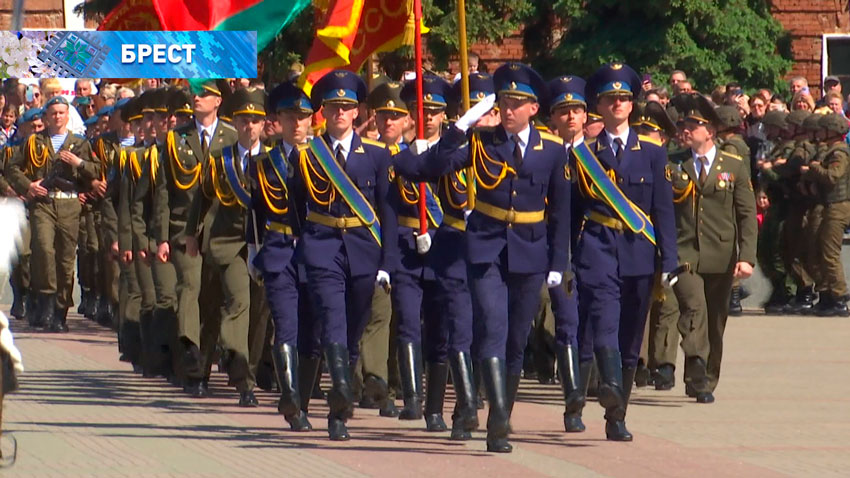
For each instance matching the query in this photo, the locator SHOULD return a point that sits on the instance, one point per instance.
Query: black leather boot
(94, 304)
(642, 376)
(19, 303)
(340, 396)
(493, 377)
(35, 308)
(735, 308)
(611, 393)
(478, 391)
(437, 374)
(84, 301)
(512, 388)
(285, 358)
(308, 375)
(664, 377)
(377, 392)
(571, 383)
(149, 349)
(60, 320)
(410, 373)
(105, 312)
(48, 313)
(465, 416)
(804, 301)
(824, 305)
(697, 377)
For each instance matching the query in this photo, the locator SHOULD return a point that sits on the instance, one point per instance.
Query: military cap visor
(388, 96)
(206, 88)
(614, 79)
(515, 80)
(249, 101)
(435, 92)
(340, 87)
(652, 115)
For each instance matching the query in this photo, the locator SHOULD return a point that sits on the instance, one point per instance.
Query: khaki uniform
(55, 219)
(219, 218)
(176, 189)
(716, 228)
(20, 279)
(108, 150)
(833, 175)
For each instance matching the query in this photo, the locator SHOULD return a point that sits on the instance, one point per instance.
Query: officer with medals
(188, 150)
(521, 175)
(350, 236)
(627, 205)
(218, 216)
(271, 237)
(568, 113)
(66, 161)
(717, 230)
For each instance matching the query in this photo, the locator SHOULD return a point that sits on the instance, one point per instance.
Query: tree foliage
(713, 41)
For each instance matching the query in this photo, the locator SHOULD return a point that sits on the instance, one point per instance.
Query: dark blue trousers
(565, 311)
(453, 332)
(414, 299)
(282, 297)
(612, 314)
(503, 308)
(341, 302)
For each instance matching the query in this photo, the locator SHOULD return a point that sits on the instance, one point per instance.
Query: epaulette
(227, 125)
(373, 142)
(79, 136)
(551, 137)
(731, 155)
(649, 140)
(303, 147)
(678, 157)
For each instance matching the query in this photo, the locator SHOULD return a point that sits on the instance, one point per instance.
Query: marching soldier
(349, 238)
(271, 234)
(568, 113)
(625, 229)
(521, 174)
(833, 177)
(188, 151)
(51, 169)
(217, 216)
(22, 303)
(716, 223)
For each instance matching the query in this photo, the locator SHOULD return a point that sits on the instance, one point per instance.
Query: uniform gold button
(340, 222)
(513, 193)
(641, 179)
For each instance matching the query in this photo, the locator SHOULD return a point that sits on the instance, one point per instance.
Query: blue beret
(520, 81)
(338, 86)
(287, 96)
(32, 114)
(56, 100)
(613, 79)
(435, 91)
(91, 120)
(121, 103)
(567, 90)
(106, 110)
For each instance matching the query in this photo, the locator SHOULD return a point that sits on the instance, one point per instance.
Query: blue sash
(242, 194)
(278, 164)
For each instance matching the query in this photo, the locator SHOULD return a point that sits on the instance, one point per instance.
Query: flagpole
(464, 88)
(420, 111)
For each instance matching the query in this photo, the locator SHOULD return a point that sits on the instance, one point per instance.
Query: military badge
(567, 172)
(668, 175)
(391, 173)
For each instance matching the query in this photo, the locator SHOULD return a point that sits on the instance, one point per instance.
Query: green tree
(713, 41)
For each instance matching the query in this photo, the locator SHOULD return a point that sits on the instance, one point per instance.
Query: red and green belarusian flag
(267, 17)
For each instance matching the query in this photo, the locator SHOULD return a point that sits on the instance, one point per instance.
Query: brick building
(45, 14)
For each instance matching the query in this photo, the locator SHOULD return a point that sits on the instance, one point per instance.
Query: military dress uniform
(509, 246)
(55, 219)
(218, 216)
(615, 263)
(271, 236)
(716, 225)
(349, 236)
(188, 149)
(833, 176)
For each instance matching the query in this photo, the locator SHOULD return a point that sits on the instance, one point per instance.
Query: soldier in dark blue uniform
(271, 233)
(568, 114)
(521, 175)
(349, 238)
(414, 293)
(624, 193)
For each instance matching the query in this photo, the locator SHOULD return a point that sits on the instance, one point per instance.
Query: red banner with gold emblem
(332, 45)
(384, 26)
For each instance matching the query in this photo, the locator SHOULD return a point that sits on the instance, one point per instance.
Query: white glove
(252, 270)
(419, 146)
(667, 281)
(383, 279)
(476, 112)
(423, 243)
(554, 279)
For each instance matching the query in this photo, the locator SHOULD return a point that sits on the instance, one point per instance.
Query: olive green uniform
(20, 278)
(833, 175)
(180, 178)
(716, 228)
(108, 150)
(55, 219)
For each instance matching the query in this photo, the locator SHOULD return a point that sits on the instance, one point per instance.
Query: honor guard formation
(576, 231)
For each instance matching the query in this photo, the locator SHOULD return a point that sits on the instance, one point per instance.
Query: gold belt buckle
(340, 222)
(511, 216)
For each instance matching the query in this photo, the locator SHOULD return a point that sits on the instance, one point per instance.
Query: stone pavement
(783, 409)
